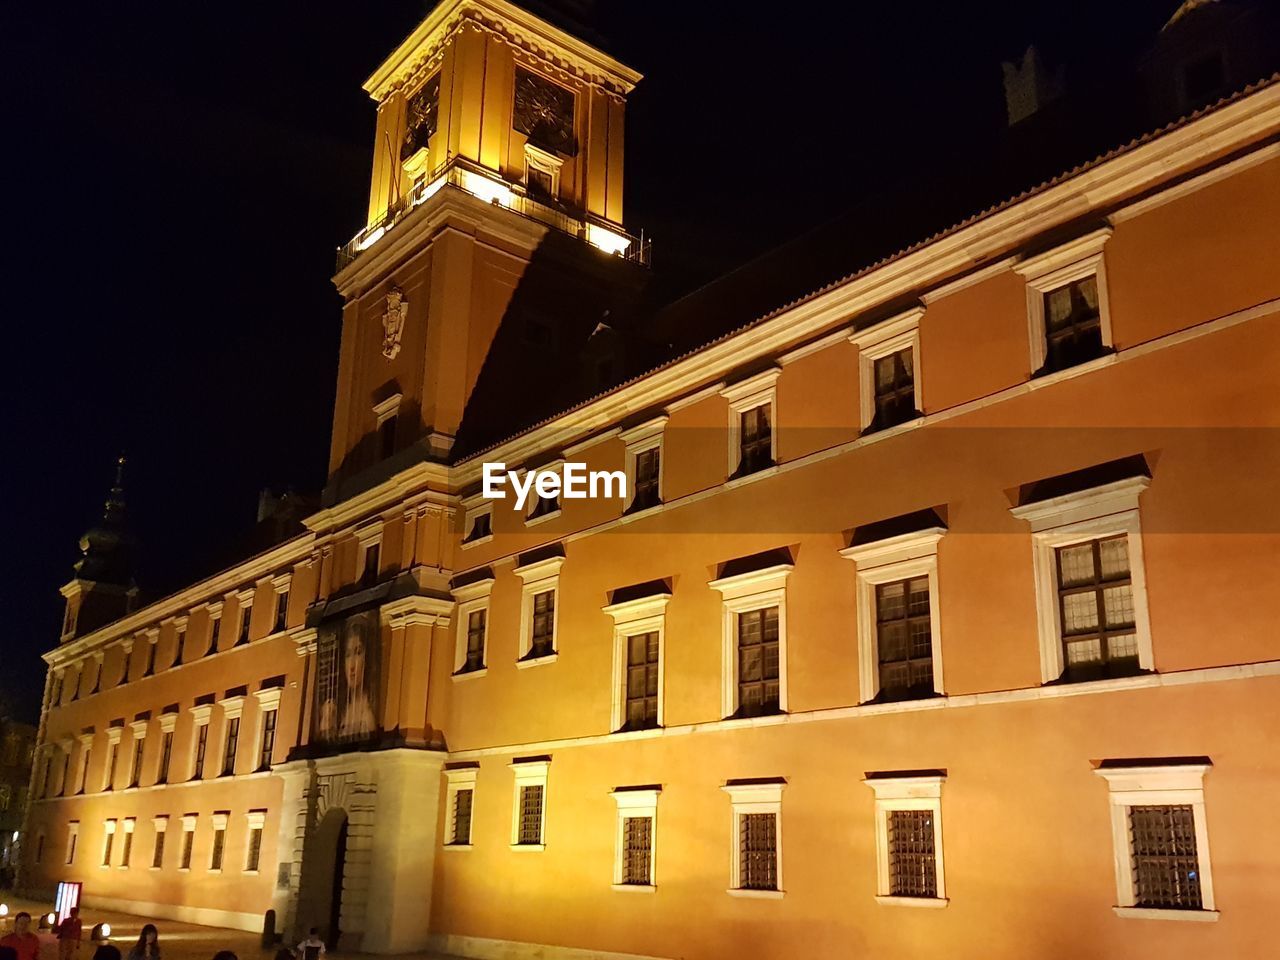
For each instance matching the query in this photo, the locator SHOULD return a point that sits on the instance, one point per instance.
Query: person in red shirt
(70, 933)
(22, 941)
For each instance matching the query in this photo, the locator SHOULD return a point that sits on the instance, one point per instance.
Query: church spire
(108, 547)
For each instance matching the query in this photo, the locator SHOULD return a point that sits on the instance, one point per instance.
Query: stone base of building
(205, 916)
(481, 948)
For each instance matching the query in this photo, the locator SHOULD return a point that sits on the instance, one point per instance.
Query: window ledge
(629, 515)
(538, 661)
(528, 847)
(184, 869)
(881, 433)
(755, 475)
(635, 888)
(456, 846)
(154, 869)
(1156, 913)
(1097, 363)
(123, 866)
(891, 901)
(551, 515)
(104, 866)
(470, 674)
(755, 894)
(476, 542)
(214, 870)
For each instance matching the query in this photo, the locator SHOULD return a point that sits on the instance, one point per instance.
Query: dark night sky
(181, 173)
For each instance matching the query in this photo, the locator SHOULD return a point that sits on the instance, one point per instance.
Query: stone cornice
(560, 53)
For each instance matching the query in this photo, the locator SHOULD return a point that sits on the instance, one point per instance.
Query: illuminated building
(978, 537)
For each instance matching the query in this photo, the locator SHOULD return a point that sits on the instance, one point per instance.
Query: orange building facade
(944, 586)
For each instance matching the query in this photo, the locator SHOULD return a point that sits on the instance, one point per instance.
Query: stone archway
(320, 901)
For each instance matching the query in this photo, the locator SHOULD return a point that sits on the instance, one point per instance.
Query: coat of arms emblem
(393, 318)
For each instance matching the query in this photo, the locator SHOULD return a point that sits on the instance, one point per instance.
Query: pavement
(178, 941)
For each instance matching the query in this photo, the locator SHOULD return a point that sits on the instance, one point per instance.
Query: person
(107, 951)
(357, 711)
(22, 941)
(70, 933)
(148, 945)
(225, 955)
(311, 948)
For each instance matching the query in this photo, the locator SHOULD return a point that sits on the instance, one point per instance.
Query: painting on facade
(347, 671)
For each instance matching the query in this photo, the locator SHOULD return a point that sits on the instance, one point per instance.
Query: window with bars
(758, 662)
(202, 747)
(912, 857)
(1072, 324)
(904, 639)
(755, 439)
(188, 846)
(893, 389)
(233, 742)
(1166, 864)
(253, 857)
(476, 623)
(530, 829)
(126, 849)
(219, 848)
(646, 480)
(758, 851)
(282, 611)
(157, 852)
(166, 754)
(637, 851)
(641, 682)
(268, 748)
(135, 767)
(461, 831)
(1095, 609)
(542, 639)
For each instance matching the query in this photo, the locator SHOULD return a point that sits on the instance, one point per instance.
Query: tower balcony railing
(461, 174)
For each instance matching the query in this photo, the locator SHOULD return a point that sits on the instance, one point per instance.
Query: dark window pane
(757, 851)
(904, 639)
(1095, 609)
(1072, 324)
(530, 815)
(758, 662)
(1166, 868)
(637, 850)
(912, 868)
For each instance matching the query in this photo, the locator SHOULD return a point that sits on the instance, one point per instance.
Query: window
(387, 414)
(549, 506)
(751, 436)
(86, 748)
(215, 628)
(200, 715)
(644, 464)
(166, 753)
(135, 764)
(1069, 320)
(538, 610)
(161, 825)
(282, 609)
(754, 636)
(899, 631)
(460, 799)
(528, 823)
(219, 849)
(188, 841)
(479, 521)
(113, 756)
(889, 383)
(126, 847)
(757, 837)
(246, 616)
(1091, 593)
(639, 627)
(370, 559)
(232, 743)
(97, 676)
(471, 641)
(151, 659)
(268, 740)
(180, 640)
(127, 647)
(908, 811)
(1160, 838)
(634, 846)
(108, 840)
(253, 849)
(542, 172)
(73, 835)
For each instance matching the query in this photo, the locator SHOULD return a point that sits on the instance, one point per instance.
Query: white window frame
(758, 391)
(641, 439)
(1064, 264)
(108, 843)
(632, 618)
(386, 409)
(538, 578)
(219, 822)
(268, 700)
(544, 162)
(887, 561)
(1141, 785)
(128, 826)
(745, 593)
(529, 773)
(255, 820)
(464, 778)
(635, 803)
(73, 837)
(754, 798)
(160, 825)
(474, 508)
(188, 830)
(471, 598)
(1103, 511)
(909, 792)
(882, 340)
